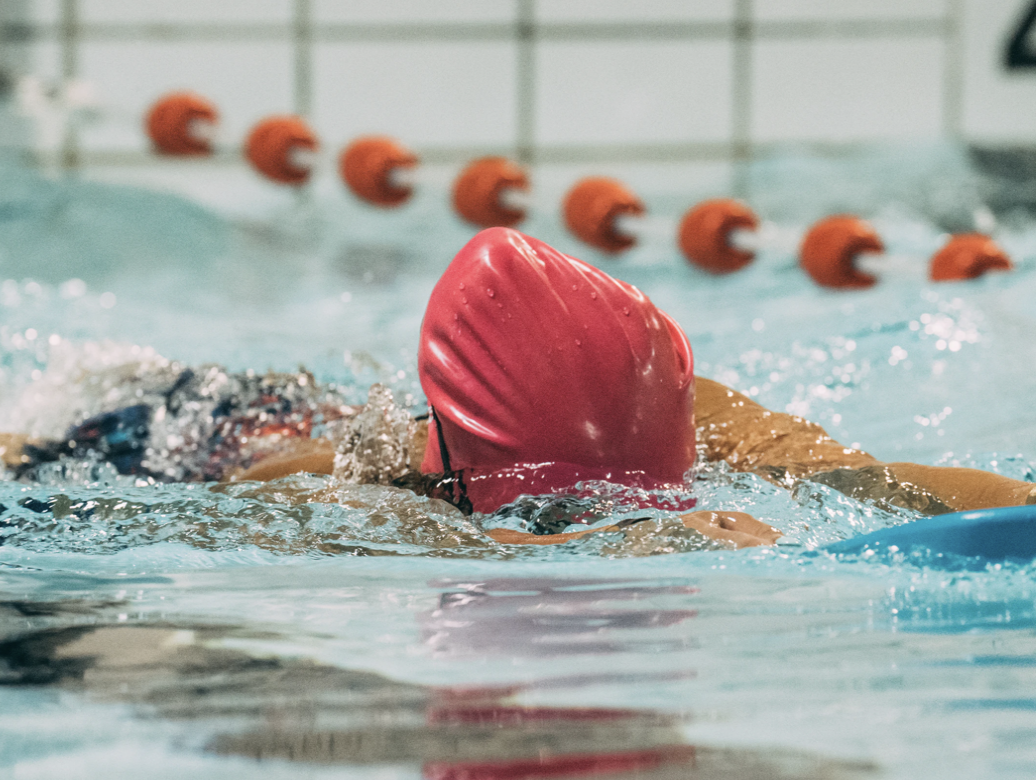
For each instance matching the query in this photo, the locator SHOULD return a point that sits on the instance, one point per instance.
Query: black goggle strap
(453, 481)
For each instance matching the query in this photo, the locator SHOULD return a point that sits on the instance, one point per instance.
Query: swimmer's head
(543, 371)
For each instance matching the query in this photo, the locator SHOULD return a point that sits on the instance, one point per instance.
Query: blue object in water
(994, 535)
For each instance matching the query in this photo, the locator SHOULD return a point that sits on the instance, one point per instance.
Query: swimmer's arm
(963, 490)
(735, 528)
(295, 455)
(312, 456)
(933, 490)
(316, 456)
(12, 449)
(751, 438)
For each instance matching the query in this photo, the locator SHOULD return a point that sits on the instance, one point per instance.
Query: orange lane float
(592, 207)
(272, 144)
(830, 247)
(367, 165)
(480, 189)
(705, 230)
(967, 256)
(172, 124)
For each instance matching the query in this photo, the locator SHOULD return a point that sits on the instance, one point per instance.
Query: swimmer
(188, 425)
(543, 372)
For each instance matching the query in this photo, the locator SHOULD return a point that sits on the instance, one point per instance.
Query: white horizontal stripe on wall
(846, 91)
(428, 94)
(552, 80)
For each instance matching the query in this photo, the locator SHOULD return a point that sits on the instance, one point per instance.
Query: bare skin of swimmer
(780, 447)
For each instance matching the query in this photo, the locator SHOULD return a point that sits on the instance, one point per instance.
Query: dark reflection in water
(269, 708)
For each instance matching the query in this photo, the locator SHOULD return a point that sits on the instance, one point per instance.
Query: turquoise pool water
(241, 631)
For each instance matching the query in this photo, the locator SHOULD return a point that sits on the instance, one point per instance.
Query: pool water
(308, 628)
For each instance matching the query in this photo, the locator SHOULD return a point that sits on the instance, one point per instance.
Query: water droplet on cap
(490, 292)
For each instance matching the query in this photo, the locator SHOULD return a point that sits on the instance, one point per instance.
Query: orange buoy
(478, 189)
(170, 124)
(967, 256)
(270, 145)
(366, 167)
(591, 208)
(830, 248)
(705, 232)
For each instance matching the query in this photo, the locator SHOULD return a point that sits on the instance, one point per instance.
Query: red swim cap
(544, 371)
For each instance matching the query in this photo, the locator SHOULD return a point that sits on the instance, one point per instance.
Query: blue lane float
(1000, 535)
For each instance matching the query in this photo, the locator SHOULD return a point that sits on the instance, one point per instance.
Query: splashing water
(110, 296)
(377, 447)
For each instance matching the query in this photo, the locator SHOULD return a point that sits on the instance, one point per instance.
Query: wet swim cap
(543, 371)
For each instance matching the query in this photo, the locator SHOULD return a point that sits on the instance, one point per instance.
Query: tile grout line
(741, 96)
(525, 82)
(953, 72)
(526, 34)
(69, 39)
(921, 27)
(302, 44)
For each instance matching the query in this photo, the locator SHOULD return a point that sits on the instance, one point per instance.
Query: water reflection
(272, 709)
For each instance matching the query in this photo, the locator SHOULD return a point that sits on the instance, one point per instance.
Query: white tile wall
(246, 81)
(633, 92)
(437, 94)
(381, 11)
(999, 105)
(37, 11)
(806, 85)
(847, 90)
(13, 10)
(839, 10)
(165, 11)
(42, 60)
(19, 59)
(640, 11)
